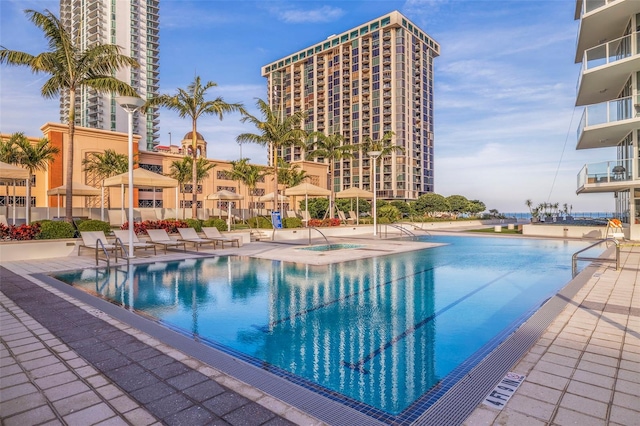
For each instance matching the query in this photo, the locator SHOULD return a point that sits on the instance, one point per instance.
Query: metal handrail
(406, 231)
(415, 227)
(575, 257)
(313, 227)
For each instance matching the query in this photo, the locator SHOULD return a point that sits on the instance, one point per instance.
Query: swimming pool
(384, 335)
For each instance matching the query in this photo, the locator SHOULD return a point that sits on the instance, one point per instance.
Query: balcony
(609, 176)
(606, 68)
(601, 20)
(606, 124)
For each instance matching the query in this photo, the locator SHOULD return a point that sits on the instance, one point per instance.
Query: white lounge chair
(161, 238)
(353, 216)
(189, 235)
(305, 217)
(214, 234)
(137, 244)
(148, 214)
(97, 241)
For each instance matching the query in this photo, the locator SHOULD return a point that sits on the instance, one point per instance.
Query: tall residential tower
(608, 47)
(367, 81)
(134, 26)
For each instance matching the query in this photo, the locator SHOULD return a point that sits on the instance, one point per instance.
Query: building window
(187, 187)
(19, 201)
(155, 168)
(149, 204)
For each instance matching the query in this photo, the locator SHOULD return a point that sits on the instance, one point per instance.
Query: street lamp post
(374, 157)
(130, 104)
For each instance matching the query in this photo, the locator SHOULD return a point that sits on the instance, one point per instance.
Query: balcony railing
(607, 172)
(591, 5)
(612, 51)
(607, 112)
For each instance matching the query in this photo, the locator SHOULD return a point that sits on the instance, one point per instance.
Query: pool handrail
(313, 227)
(401, 228)
(575, 257)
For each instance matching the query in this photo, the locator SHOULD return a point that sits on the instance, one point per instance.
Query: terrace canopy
(78, 189)
(224, 195)
(142, 178)
(307, 189)
(357, 193)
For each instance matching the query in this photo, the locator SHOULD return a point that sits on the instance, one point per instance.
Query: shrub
(171, 226)
(50, 230)
(292, 222)
(194, 223)
(324, 222)
(388, 214)
(94, 225)
(221, 224)
(260, 222)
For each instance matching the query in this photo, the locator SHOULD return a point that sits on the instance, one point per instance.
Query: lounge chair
(97, 241)
(137, 244)
(353, 216)
(291, 214)
(343, 218)
(115, 218)
(305, 217)
(149, 214)
(214, 234)
(161, 238)
(189, 235)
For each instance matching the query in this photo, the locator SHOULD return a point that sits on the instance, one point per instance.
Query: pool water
(331, 247)
(378, 334)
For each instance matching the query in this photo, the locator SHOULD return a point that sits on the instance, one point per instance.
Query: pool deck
(63, 361)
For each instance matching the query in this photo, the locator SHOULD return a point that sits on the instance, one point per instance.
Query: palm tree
(191, 102)
(276, 131)
(181, 170)
(71, 68)
(105, 165)
(382, 145)
(332, 149)
(239, 169)
(33, 158)
(9, 155)
(252, 176)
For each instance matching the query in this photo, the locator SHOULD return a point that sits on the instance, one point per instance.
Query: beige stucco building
(88, 141)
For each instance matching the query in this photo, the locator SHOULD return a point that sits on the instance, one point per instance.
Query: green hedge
(94, 225)
(221, 224)
(195, 224)
(50, 230)
(292, 222)
(260, 222)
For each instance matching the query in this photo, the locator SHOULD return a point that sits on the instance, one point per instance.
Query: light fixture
(130, 104)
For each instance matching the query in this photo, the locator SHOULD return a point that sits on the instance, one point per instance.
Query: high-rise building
(367, 81)
(134, 26)
(608, 47)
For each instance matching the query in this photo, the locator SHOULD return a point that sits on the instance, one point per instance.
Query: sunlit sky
(505, 121)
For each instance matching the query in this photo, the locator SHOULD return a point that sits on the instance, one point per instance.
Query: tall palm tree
(71, 68)
(9, 155)
(105, 165)
(276, 131)
(383, 145)
(252, 176)
(331, 148)
(33, 158)
(239, 169)
(182, 171)
(191, 102)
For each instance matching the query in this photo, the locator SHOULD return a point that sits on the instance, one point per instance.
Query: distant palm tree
(529, 203)
(33, 158)
(332, 149)
(71, 68)
(9, 155)
(105, 165)
(252, 176)
(182, 171)
(275, 131)
(191, 103)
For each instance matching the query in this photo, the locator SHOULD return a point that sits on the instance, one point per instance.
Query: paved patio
(64, 362)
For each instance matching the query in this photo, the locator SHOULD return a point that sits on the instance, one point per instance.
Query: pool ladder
(575, 257)
(319, 231)
(401, 228)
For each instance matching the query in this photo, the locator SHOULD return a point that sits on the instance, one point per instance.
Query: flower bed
(171, 226)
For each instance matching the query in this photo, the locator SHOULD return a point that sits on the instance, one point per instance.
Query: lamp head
(130, 103)
(374, 154)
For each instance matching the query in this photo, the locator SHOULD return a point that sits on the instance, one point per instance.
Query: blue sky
(505, 121)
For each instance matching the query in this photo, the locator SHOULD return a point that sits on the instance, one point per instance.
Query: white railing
(591, 5)
(607, 112)
(605, 172)
(612, 51)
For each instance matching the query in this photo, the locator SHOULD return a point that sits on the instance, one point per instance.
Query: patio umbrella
(271, 195)
(357, 193)
(78, 189)
(145, 179)
(224, 195)
(307, 189)
(11, 173)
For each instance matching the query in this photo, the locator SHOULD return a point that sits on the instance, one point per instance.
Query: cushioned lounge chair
(161, 238)
(97, 241)
(137, 244)
(189, 235)
(214, 234)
